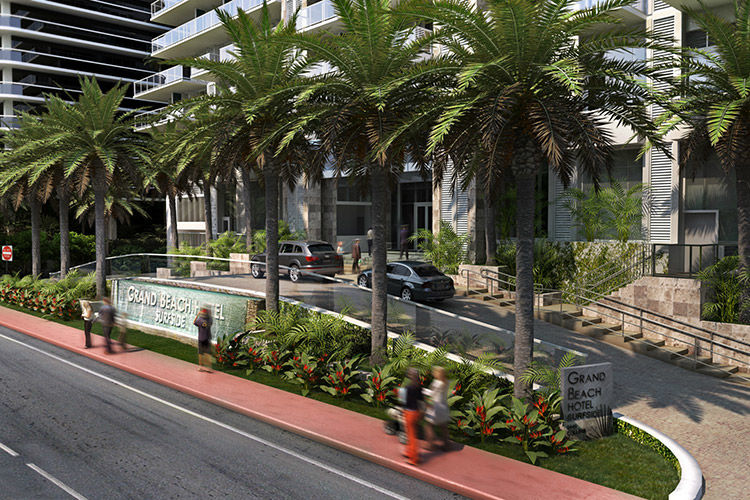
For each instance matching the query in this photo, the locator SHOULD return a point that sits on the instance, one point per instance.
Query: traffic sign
(7, 253)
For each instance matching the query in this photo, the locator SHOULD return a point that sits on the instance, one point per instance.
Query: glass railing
(173, 74)
(315, 14)
(8, 121)
(633, 54)
(201, 23)
(640, 5)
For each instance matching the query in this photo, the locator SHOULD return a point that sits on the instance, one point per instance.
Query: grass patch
(617, 462)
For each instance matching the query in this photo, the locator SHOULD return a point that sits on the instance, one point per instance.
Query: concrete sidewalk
(468, 471)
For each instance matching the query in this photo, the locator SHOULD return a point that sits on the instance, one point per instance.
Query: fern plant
(549, 378)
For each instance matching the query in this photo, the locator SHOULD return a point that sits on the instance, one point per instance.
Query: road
(75, 428)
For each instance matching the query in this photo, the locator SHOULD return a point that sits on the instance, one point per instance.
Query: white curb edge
(691, 485)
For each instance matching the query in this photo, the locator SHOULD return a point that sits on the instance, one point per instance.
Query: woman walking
(412, 415)
(438, 412)
(87, 314)
(203, 321)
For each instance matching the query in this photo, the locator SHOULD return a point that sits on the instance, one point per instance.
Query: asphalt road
(71, 427)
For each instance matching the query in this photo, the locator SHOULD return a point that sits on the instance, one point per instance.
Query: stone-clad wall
(681, 300)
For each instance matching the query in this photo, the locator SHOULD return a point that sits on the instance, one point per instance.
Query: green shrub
(285, 234)
(610, 212)
(644, 438)
(554, 262)
(446, 250)
(725, 283)
(54, 298)
(181, 265)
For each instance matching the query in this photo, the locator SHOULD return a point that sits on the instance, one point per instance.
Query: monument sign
(586, 391)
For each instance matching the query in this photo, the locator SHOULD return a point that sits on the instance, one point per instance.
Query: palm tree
(245, 118)
(358, 108)
(15, 186)
(535, 91)
(716, 107)
(96, 143)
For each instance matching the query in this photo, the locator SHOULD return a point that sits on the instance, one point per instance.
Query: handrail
(712, 343)
(639, 263)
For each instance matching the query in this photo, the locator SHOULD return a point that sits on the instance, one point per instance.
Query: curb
(692, 484)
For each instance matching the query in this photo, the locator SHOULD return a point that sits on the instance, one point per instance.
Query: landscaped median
(616, 461)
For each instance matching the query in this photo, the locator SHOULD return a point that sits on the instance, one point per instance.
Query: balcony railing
(173, 74)
(160, 5)
(640, 5)
(314, 14)
(201, 23)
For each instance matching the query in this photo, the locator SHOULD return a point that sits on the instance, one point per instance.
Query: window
(285, 248)
(296, 249)
(427, 271)
(400, 270)
(320, 248)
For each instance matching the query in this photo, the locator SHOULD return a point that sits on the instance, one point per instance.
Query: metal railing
(685, 260)
(314, 14)
(638, 321)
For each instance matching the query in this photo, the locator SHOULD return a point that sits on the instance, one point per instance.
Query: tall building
(48, 44)
(683, 207)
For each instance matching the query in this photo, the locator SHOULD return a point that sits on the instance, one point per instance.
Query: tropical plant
(530, 430)
(715, 107)
(446, 249)
(380, 385)
(247, 117)
(482, 416)
(285, 234)
(725, 282)
(532, 99)
(548, 379)
(358, 110)
(554, 262)
(608, 212)
(342, 378)
(304, 370)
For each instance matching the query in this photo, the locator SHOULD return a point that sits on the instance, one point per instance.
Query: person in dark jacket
(404, 242)
(106, 317)
(356, 256)
(203, 321)
(413, 407)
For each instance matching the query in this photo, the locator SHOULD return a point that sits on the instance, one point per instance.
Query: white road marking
(228, 427)
(8, 450)
(52, 479)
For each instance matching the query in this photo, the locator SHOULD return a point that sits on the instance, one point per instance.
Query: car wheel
(257, 271)
(294, 273)
(406, 293)
(363, 281)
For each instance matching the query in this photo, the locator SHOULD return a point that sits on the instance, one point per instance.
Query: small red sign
(7, 253)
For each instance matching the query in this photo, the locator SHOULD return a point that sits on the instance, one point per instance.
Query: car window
(427, 271)
(320, 248)
(297, 249)
(389, 269)
(285, 248)
(400, 270)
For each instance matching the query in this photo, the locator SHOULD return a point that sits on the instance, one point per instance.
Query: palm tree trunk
(64, 198)
(173, 220)
(490, 236)
(271, 180)
(247, 202)
(525, 173)
(100, 228)
(208, 214)
(379, 317)
(35, 207)
(742, 172)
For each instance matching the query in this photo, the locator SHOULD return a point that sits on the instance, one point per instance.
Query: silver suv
(315, 256)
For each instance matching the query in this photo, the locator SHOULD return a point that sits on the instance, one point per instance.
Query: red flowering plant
(228, 350)
(380, 385)
(482, 414)
(341, 380)
(251, 355)
(275, 358)
(303, 369)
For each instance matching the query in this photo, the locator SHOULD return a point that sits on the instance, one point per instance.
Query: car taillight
(312, 258)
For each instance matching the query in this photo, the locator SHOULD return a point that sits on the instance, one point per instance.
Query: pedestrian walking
(87, 314)
(107, 315)
(370, 237)
(203, 321)
(413, 406)
(404, 242)
(340, 248)
(356, 256)
(438, 413)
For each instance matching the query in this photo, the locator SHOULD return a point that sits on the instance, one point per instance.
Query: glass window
(320, 248)
(285, 248)
(400, 270)
(297, 249)
(352, 220)
(427, 271)
(708, 187)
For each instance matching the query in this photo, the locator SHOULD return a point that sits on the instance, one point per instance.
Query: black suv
(315, 256)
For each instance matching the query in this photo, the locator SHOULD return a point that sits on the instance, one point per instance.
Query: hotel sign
(586, 391)
(173, 309)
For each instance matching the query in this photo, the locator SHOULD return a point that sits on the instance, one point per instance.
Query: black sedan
(413, 280)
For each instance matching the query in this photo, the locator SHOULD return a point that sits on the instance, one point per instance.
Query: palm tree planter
(533, 99)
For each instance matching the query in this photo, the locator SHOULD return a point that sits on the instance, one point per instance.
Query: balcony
(633, 13)
(176, 12)
(204, 31)
(216, 54)
(317, 16)
(8, 122)
(161, 86)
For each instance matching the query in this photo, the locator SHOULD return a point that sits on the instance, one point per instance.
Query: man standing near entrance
(404, 242)
(356, 255)
(370, 236)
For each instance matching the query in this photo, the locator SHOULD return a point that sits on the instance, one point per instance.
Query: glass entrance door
(422, 217)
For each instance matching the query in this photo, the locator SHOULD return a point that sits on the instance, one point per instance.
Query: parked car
(413, 280)
(315, 256)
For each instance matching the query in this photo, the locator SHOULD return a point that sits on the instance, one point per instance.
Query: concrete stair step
(717, 371)
(693, 363)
